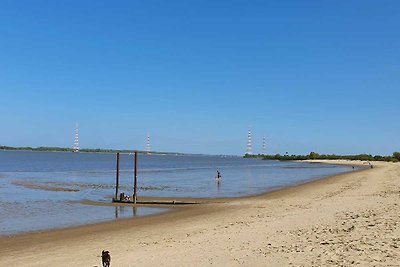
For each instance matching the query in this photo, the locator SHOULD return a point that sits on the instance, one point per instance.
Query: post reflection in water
(134, 211)
(120, 211)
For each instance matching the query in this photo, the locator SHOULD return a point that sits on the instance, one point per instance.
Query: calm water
(40, 190)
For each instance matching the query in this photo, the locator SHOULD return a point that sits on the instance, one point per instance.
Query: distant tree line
(313, 155)
(87, 150)
(28, 148)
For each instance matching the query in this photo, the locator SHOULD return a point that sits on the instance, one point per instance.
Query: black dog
(105, 258)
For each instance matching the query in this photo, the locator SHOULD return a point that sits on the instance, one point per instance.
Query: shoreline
(211, 215)
(175, 208)
(126, 152)
(171, 207)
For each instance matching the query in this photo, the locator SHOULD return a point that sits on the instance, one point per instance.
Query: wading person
(218, 176)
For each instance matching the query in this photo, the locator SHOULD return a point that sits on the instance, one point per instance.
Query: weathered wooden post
(135, 179)
(117, 179)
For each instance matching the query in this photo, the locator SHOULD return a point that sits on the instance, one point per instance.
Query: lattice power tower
(249, 149)
(147, 148)
(76, 139)
(264, 146)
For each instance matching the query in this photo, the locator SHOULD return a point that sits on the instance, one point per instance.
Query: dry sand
(344, 220)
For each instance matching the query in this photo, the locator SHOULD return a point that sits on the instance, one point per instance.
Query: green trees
(313, 155)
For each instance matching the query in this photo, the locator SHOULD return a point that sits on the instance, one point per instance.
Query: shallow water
(40, 190)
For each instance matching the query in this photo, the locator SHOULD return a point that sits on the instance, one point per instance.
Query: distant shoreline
(102, 151)
(83, 150)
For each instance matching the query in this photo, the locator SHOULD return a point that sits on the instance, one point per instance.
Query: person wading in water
(218, 176)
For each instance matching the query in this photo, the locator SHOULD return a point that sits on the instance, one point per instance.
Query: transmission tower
(76, 139)
(147, 148)
(264, 146)
(249, 150)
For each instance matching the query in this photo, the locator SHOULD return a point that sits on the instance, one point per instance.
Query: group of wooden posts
(118, 199)
(121, 198)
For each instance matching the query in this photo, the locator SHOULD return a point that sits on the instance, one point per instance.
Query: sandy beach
(344, 220)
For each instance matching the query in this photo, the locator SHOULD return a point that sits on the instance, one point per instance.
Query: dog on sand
(105, 258)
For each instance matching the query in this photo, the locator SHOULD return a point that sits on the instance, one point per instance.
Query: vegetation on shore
(87, 150)
(313, 155)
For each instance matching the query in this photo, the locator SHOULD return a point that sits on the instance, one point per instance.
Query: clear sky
(318, 76)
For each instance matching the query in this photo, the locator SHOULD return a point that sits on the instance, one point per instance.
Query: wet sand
(343, 220)
(44, 186)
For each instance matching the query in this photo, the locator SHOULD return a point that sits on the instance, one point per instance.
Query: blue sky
(309, 75)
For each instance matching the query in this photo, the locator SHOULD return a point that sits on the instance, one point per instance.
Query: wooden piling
(135, 179)
(117, 178)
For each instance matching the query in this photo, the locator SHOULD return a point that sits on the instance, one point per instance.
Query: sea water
(44, 190)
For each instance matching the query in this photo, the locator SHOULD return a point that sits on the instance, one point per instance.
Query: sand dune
(350, 219)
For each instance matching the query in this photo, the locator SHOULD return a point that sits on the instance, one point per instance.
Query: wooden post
(135, 179)
(117, 178)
